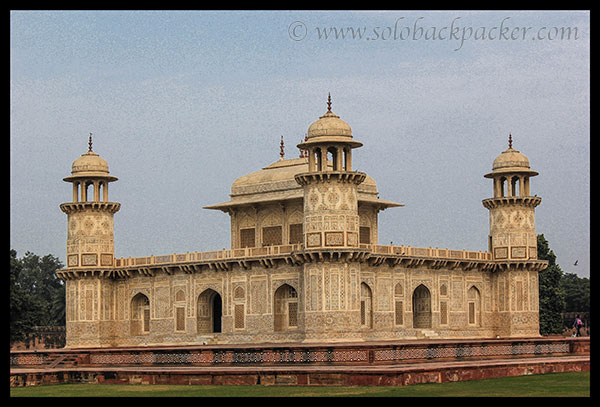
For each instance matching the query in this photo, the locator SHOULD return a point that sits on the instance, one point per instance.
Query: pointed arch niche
(140, 315)
(285, 308)
(209, 312)
(474, 306)
(421, 302)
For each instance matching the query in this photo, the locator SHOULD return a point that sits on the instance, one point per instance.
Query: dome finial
(509, 140)
(281, 152)
(90, 143)
(329, 102)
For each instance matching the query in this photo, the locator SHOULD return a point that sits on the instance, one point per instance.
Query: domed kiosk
(511, 168)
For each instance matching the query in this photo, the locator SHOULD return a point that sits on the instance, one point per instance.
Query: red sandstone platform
(373, 363)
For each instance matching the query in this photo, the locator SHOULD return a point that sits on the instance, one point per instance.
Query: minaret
(512, 209)
(331, 307)
(90, 233)
(330, 190)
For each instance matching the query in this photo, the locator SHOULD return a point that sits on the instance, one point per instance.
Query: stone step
(64, 360)
(427, 333)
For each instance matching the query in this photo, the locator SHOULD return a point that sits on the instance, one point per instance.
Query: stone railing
(207, 256)
(429, 252)
(250, 252)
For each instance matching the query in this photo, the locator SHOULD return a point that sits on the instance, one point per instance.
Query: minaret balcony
(355, 177)
(530, 201)
(71, 207)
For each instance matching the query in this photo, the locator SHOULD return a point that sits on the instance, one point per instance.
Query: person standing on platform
(577, 325)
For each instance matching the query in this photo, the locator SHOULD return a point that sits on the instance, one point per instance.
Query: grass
(572, 384)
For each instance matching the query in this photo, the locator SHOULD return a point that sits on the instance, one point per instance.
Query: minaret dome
(329, 134)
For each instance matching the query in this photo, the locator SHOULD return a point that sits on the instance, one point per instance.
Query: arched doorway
(209, 312)
(366, 306)
(421, 301)
(140, 315)
(285, 308)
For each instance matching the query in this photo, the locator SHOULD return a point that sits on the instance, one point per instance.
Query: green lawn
(573, 384)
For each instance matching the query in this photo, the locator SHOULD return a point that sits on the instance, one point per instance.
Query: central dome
(276, 183)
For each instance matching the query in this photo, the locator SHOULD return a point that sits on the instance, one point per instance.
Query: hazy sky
(183, 103)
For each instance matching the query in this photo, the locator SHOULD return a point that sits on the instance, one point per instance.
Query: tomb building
(304, 265)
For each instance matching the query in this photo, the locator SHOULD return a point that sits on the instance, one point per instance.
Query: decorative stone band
(302, 354)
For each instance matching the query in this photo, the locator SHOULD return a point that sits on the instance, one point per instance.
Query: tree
(39, 278)
(37, 296)
(577, 292)
(23, 310)
(552, 296)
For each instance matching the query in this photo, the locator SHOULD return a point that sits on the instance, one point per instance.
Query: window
(399, 313)
(271, 236)
(180, 310)
(443, 312)
(247, 238)
(443, 304)
(146, 322)
(292, 314)
(179, 318)
(399, 304)
(365, 235)
(296, 233)
(239, 295)
(471, 313)
(238, 320)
